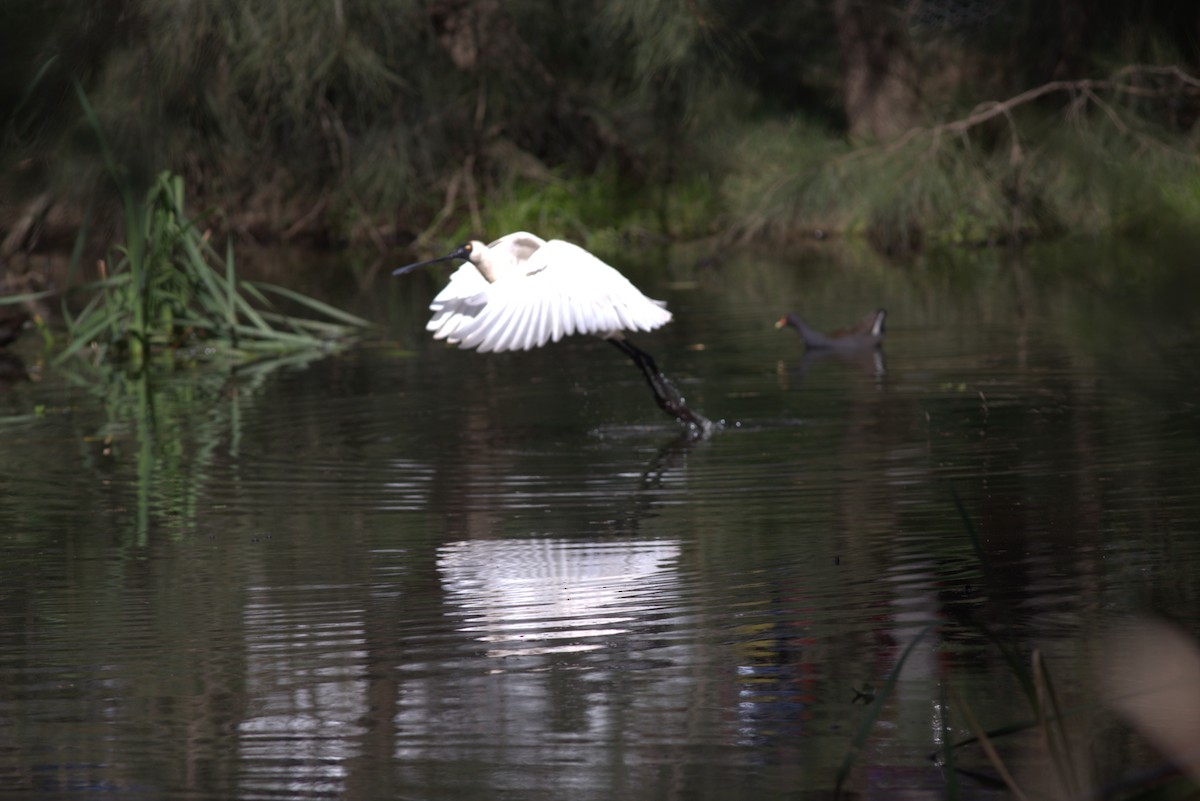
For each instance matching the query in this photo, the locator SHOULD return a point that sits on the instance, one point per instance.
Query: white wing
(465, 296)
(520, 245)
(458, 303)
(561, 290)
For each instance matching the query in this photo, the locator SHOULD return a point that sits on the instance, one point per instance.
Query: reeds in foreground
(166, 290)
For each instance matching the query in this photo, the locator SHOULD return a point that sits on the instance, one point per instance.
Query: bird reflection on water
(536, 596)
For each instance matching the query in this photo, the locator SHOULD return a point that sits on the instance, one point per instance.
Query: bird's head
(786, 320)
(473, 251)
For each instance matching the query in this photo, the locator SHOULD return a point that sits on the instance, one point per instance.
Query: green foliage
(601, 212)
(1034, 177)
(331, 114)
(166, 290)
(1098, 177)
(400, 119)
(774, 204)
(171, 424)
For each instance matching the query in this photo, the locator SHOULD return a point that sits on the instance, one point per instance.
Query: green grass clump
(166, 290)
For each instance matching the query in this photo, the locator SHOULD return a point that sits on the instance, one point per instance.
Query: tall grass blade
(989, 749)
(106, 154)
(876, 708)
(998, 732)
(1012, 658)
(9, 300)
(312, 327)
(76, 258)
(1055, 736)
(314, 304)
(972, 534)
(231, 290)
(87, 332)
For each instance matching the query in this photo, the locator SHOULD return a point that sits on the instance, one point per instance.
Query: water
(412, 572)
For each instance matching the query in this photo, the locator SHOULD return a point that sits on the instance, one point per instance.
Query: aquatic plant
(1142, 686)
(165, 428)
(166, 290)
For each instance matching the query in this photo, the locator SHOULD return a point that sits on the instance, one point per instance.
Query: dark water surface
(411, 572)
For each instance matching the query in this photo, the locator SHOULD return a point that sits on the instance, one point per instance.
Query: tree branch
(1084, 90)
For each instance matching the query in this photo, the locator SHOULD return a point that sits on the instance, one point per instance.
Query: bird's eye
(467, 247)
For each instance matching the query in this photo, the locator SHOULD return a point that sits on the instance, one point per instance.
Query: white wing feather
(560, 290)
(458, 303)
(519, 245)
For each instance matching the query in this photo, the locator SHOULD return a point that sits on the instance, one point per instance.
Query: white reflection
(409, 485)
(538, 596)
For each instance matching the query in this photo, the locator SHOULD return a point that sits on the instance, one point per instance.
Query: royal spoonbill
(865, 334)
(521, 292)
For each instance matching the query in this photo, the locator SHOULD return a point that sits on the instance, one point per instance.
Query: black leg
(665, 394)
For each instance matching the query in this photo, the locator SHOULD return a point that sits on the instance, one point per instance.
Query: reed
(1064, 734)
(167, 291)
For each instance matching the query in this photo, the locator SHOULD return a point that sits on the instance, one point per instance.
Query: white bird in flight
(521, 292)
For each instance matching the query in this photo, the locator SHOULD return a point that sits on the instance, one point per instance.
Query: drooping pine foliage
(396, 119)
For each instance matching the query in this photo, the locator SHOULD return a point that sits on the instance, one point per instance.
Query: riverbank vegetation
(395, 124)
(166, 295)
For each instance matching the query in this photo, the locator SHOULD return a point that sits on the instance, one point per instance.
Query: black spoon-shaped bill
(463, 252)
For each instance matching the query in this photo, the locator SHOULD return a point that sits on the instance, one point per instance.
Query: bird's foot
(671, 402)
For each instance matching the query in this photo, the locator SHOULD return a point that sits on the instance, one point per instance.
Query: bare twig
(24, 231)
(302, 223)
